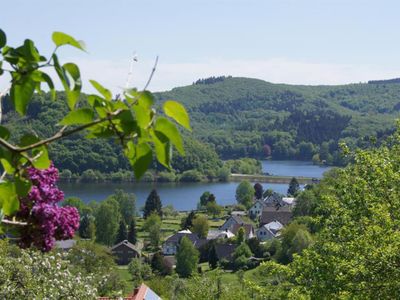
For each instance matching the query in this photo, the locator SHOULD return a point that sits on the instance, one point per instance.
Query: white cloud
(113, 73)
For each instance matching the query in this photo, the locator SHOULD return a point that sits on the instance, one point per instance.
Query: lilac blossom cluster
(47, 222)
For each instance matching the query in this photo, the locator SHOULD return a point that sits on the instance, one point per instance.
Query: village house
(171, 245)
(269, 231)
(256, 209)
(219, 234)
(229, 222)
(124, 252)
(281, 214)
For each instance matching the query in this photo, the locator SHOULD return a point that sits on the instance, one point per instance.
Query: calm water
(184, 196)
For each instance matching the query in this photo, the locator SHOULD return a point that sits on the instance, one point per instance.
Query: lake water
(184, 196)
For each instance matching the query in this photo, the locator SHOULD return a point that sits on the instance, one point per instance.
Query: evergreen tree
(87, 228)
(258, 191)
(212, 257)
(294, 187)
(159, 265)
(132, 238)
(187, 258)
(153, 204)
(187, 222)
(122, 234)
(240, 236)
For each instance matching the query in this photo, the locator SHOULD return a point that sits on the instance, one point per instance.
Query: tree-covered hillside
(235, 118)
(249, 117)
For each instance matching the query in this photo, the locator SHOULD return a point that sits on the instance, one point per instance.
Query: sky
(282, 41)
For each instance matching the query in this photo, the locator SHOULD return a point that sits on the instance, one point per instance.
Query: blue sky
(298, 41)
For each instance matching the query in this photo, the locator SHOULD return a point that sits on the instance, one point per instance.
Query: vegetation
(152, 205)
(245, 194)
(187, 258)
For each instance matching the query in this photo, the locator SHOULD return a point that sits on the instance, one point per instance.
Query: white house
(256, 210)
(269, 231)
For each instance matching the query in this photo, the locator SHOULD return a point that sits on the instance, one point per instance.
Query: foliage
(214, 209)
(212, 257)
(200, 226)
(159, 265)
(87, 227)
(187, 221)
(258, 190)
(107, 220)
(153, 226)
(294, 239)
(127, 204)
(139, 270)
(241, 256)
(294, 187)
(187, 258)
(245, 194)
(169, 211)
(122, 233)
(96, 262)
(29, 274)
(129, 119)
(240, 236)
(244, 166)
(132, 234)
(153, 204)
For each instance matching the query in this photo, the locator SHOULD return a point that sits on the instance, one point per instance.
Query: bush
(191, 176)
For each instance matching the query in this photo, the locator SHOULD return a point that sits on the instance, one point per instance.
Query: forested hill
(248, 117)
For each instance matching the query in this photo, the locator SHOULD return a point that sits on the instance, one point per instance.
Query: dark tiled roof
(281, 214)
(273, 200)
(225, 251)
(126, 244)
(237, 219)
(176, 238)
(200, 242)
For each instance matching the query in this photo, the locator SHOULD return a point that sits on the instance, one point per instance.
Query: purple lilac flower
(47, 222)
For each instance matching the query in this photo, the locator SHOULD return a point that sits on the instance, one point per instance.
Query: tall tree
(258, 190)
(122, 234)
(127, 204)
(132, 234)
(87, 228)
(294, 187)
(213, 257)
(245, 194)
(204, 198)
(153, 226)
(187, 222)
(200, 226)
(187, 258)
(240, 236)
(107, 221)
(153, 204)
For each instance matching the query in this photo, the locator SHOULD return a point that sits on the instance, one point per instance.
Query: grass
(127, 278)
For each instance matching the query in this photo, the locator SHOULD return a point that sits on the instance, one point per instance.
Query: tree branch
(151, 74)
(60, 134)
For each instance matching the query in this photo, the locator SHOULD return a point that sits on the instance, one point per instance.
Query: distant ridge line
(389, 81)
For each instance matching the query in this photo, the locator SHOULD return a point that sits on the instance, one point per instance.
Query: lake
(184, 196)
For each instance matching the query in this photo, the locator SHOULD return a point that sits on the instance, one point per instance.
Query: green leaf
(4, 133)
(177, 112)
(75, 90)
(3, 39)
(22, 185)
(40, 154)
(47, 79)
(162, 148)
(21, 93)
(142, 159)
(142, 115)
(169, 129)
(102, 90)
(60, 39)
(8, 198)
(6, 159)
(80, 116)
